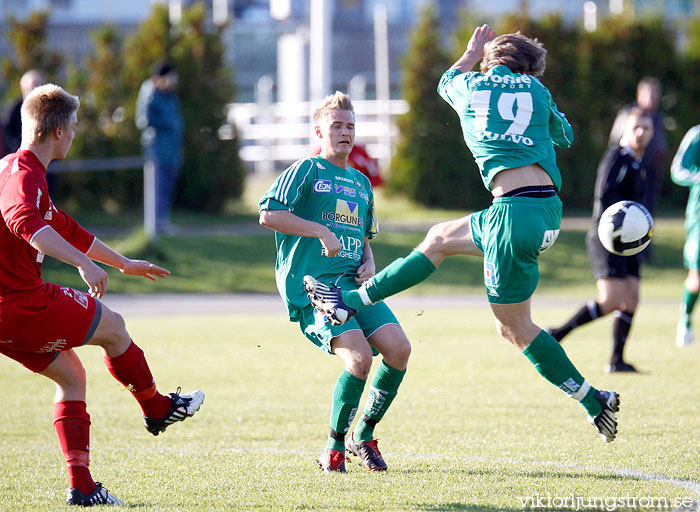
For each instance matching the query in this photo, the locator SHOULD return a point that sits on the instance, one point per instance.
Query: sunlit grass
(474, 426)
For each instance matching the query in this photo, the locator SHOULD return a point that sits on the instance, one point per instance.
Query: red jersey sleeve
(68, 228)
(20, 204)
(27, 208)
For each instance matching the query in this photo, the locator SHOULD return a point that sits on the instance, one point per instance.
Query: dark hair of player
(517, 52)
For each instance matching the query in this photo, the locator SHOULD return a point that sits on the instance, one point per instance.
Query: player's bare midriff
(526, 176)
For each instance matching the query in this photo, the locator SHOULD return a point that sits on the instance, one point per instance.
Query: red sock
(72, 423)
(131, 369)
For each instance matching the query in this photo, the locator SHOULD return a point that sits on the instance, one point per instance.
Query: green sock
(688, 304)
(382, 391)
(400, 275)
(553, 364)
(346, 399)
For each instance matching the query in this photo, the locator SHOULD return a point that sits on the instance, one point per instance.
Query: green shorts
(691, 249)
(512, 233)
(368, 319)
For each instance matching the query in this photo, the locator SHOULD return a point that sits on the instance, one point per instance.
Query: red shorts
(35, 327)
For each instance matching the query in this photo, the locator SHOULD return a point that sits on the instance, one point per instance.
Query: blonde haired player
(41, 323)
(322, 212)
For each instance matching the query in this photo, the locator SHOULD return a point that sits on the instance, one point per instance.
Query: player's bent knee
(610, 304)
(111, 330)
(434, 245)
(359, 368)
(692, 282)
(358, 361)
(692, 285)
(520, 336)
(504, 331)
(402, 351)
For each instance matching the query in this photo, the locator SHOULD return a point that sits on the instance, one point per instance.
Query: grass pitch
(474, 426)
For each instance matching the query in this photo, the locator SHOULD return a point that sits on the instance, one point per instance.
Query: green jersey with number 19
(508, 120)
(340, 199)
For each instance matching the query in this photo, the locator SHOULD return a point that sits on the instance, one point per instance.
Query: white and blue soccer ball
(625, 228)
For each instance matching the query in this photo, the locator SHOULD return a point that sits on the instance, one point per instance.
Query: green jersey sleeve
(685, 168)
(559, 127)
(371, 222)
(289, 188)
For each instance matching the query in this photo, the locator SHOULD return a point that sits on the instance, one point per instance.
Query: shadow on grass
(447, 507)
(535, 500)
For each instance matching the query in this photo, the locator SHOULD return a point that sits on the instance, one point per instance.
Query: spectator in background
(159, 117)
(12, 120)
(654, 159)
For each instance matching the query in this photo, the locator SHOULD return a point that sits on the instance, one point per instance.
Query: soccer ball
(625, 228)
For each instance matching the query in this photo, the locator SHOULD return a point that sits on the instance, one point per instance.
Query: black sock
(589, 312)
(621, 329)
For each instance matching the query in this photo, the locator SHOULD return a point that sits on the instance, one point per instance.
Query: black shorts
(606, 264)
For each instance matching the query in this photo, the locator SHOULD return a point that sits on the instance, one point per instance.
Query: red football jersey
(26, 209)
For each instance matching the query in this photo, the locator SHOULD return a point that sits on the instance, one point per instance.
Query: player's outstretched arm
(475, 48)
(286, 222)
(105, 254)
(49, 242)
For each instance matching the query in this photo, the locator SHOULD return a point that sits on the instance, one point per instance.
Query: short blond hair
(44, 109)
(337, 101)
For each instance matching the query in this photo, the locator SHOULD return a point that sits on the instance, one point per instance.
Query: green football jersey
(508, 120)
(685, 171)
(340, 199)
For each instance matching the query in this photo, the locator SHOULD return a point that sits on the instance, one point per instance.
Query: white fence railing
(276, 133)
(150, 222)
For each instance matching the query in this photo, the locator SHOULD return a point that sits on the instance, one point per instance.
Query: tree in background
(28, 38)
(108, 83)
(432, 163)
(611, 61)
(104, 130)
(208, 87)
(212, 172)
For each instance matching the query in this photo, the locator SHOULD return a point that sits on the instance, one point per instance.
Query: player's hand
(96, 279)
(480, 37)
(145, 269)
(330, 243)
(366, 270)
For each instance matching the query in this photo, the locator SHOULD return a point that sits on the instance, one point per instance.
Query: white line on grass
(689, 485)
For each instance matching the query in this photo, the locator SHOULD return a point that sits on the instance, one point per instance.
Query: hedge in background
(108, 83)
(432, 164)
